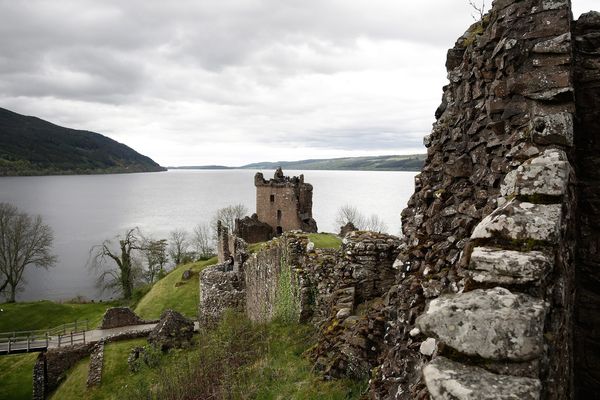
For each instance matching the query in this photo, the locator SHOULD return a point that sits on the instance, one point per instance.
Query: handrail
(65, 334)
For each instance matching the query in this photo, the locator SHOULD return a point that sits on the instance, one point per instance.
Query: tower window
(272, 198)
(278, 215)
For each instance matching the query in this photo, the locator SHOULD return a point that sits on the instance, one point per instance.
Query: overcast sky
(195, 82)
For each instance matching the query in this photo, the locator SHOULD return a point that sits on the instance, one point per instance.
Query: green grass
(116, 377)
(47, 314)
(171, 292)
(283, 373)
(325, 240)
(16, 376)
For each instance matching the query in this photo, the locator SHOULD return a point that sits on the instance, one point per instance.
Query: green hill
(32, 146)
(413, 162)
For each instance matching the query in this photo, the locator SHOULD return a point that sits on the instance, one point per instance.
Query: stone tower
(285, 203)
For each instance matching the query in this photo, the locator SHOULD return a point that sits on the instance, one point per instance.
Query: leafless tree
(124, 276)
(155, 257)
(227, 216)
(203, 242)
(348, 213)
(479, 10)
(178, 245)
(24, 241)
(375, 224)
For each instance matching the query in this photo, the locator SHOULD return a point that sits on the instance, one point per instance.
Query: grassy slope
(15, 376)
(325, 240)
(47, 314)
(172, 292)
(280, 373)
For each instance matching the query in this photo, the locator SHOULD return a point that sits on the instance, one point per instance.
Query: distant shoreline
(411, 163)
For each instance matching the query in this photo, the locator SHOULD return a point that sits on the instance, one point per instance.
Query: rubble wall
(484, 294)
(587, 141)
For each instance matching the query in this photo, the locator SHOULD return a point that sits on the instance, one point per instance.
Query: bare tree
(124, 276)
(203, 242)
(155, 257)
(178, 245)
(479, 10)
(227, 216)
(24, 241)
(375, 224)
(348, 213)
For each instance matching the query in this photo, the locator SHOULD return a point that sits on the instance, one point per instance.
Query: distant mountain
(377, 163)
(32, 146)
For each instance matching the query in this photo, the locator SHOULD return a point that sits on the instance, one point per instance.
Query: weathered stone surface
(220, 289)
(494, 323)
(546, 175)
(449, 380)
(117, 317)
(508, 267)
(96, 365)
(553, 129)
(560, 44)
(522, 221)
(172, 331)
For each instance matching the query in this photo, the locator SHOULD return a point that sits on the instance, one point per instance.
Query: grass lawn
(16, 376)
(47, 314)
(116, 377)
(283, 373)
(171, 292)
(325, 240)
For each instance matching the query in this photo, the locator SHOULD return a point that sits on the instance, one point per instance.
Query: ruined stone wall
(221, 288)
(484, 294)
(587, 141)
(280, 259)
(285, 202)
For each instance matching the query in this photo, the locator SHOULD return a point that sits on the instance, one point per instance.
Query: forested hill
(32, 146)
(375, 163)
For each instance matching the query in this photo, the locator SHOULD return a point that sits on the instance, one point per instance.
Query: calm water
(85, 210)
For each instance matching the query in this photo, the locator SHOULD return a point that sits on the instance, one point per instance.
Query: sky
(230, 82)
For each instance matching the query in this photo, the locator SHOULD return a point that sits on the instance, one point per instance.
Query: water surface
(84, 210)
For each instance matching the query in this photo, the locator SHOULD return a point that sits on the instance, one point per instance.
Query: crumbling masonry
(495, 290)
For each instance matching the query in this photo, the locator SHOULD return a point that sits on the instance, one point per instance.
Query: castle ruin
(496, 289)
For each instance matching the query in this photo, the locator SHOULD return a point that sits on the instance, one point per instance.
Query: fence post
(28, 342)
(83, 337)
(47, 341)
(9, 341)
(71, 338)
(59, 340)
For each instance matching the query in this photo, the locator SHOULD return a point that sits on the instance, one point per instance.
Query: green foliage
(171, 292)
(325, 240)
(31, 146)
(15, 376)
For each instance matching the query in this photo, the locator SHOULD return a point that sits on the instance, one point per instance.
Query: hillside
(32, 146)
(412, 162)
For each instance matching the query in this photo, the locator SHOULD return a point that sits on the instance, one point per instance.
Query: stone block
(521, 221)
(508, 267)
(446, 379)
(553, 129)
(494, 324)
(557, 45)
(547, 174)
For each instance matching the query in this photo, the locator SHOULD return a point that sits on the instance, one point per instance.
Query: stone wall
(252, 230)
(117, 317)
(281, 258)
(221, 288)
(587, 141)
(483, 299)
(284, 202)
(96, 365)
